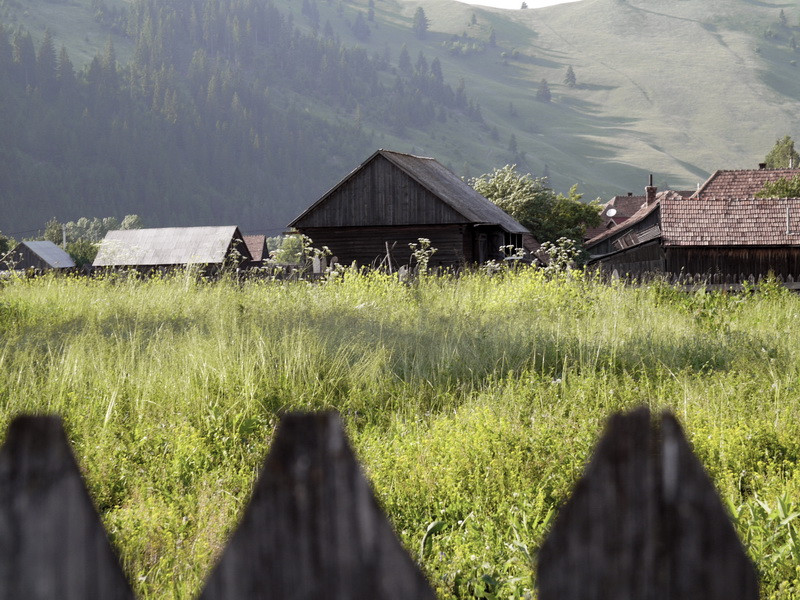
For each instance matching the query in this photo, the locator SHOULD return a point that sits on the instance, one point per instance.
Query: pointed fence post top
(313, 529)
(644, 521)
(53, 543)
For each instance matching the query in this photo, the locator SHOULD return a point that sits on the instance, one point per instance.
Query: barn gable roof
(167, 246)
(741, 183)
(257, 246)
(48, 252)
(439, 181)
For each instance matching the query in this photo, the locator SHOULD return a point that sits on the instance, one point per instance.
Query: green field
(473, 401)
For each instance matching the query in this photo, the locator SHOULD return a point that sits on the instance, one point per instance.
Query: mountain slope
(674, 87)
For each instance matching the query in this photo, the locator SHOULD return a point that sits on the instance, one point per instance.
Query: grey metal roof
(51, 254)
(166, 246)
(443, 183)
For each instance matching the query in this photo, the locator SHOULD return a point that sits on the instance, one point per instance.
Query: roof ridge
(384, 150)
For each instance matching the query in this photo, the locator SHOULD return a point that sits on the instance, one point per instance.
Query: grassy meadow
(473, 403)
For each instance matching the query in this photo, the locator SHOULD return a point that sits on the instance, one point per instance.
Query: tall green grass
(473, 402)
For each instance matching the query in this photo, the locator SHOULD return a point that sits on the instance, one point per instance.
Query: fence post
(313, 529)
(644, 523)
(52, 543)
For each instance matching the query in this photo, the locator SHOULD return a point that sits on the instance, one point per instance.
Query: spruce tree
(420, 23)
(404, 61)
(543, 93)
(569, 77)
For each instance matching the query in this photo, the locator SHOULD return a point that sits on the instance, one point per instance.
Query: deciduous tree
(547, 214)
(782, 188)
(783, 154)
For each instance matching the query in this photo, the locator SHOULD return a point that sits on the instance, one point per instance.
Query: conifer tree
(569, 77)
(543, 93)
(420, 23)
(46, 65)
(404, 61)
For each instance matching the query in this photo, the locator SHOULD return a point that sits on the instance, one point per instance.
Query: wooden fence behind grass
(643, 523)
(710, 281)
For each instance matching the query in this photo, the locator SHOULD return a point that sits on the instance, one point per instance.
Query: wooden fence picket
(52, 543)
(313, 529)
(644, 522)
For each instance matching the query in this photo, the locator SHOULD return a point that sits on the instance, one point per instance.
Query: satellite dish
(611, 212)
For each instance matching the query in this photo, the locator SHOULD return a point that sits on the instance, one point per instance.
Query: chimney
(762, 166)
(650, 192)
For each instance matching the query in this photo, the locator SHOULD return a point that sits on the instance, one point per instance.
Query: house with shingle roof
(706, 233)
(742, 183)
(618, 210)
(392, 199)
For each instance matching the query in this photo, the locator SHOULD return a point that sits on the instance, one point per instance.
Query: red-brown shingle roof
(729, 222)
(635, 217)
(257, 245)
(741, 183)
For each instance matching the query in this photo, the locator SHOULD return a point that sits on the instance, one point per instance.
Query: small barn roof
(741, 183)
(51, 254)
(166, 246)
(441, 182)
(256, 245)
(730, 222)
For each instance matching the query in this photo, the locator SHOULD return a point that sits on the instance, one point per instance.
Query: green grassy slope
(672, 87)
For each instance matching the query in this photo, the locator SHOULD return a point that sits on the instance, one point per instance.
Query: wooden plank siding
(734, 260)
(367, 245)
(380, 194)
(647, 258)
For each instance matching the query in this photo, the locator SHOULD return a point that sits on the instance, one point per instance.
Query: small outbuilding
(170, 247)
(392, 199)
(40, 256)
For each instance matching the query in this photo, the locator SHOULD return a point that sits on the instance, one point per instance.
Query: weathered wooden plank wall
(643, 523)
(367, 245)
(380, 194)
(781, 260)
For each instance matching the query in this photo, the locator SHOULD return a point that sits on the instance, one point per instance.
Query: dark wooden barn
(40, 256)
(703, 235)
(391, 200)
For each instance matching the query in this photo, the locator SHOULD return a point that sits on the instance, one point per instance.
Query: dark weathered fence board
(52, 544)
(644, 522)
(313, 529)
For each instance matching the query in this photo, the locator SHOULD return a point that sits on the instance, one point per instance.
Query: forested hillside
(222, 105)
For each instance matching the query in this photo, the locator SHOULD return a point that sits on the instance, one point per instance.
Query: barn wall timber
(367, 245)
(380, 194)
(732, 260)
(25, 258)
(646, 258)
(607, 245)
